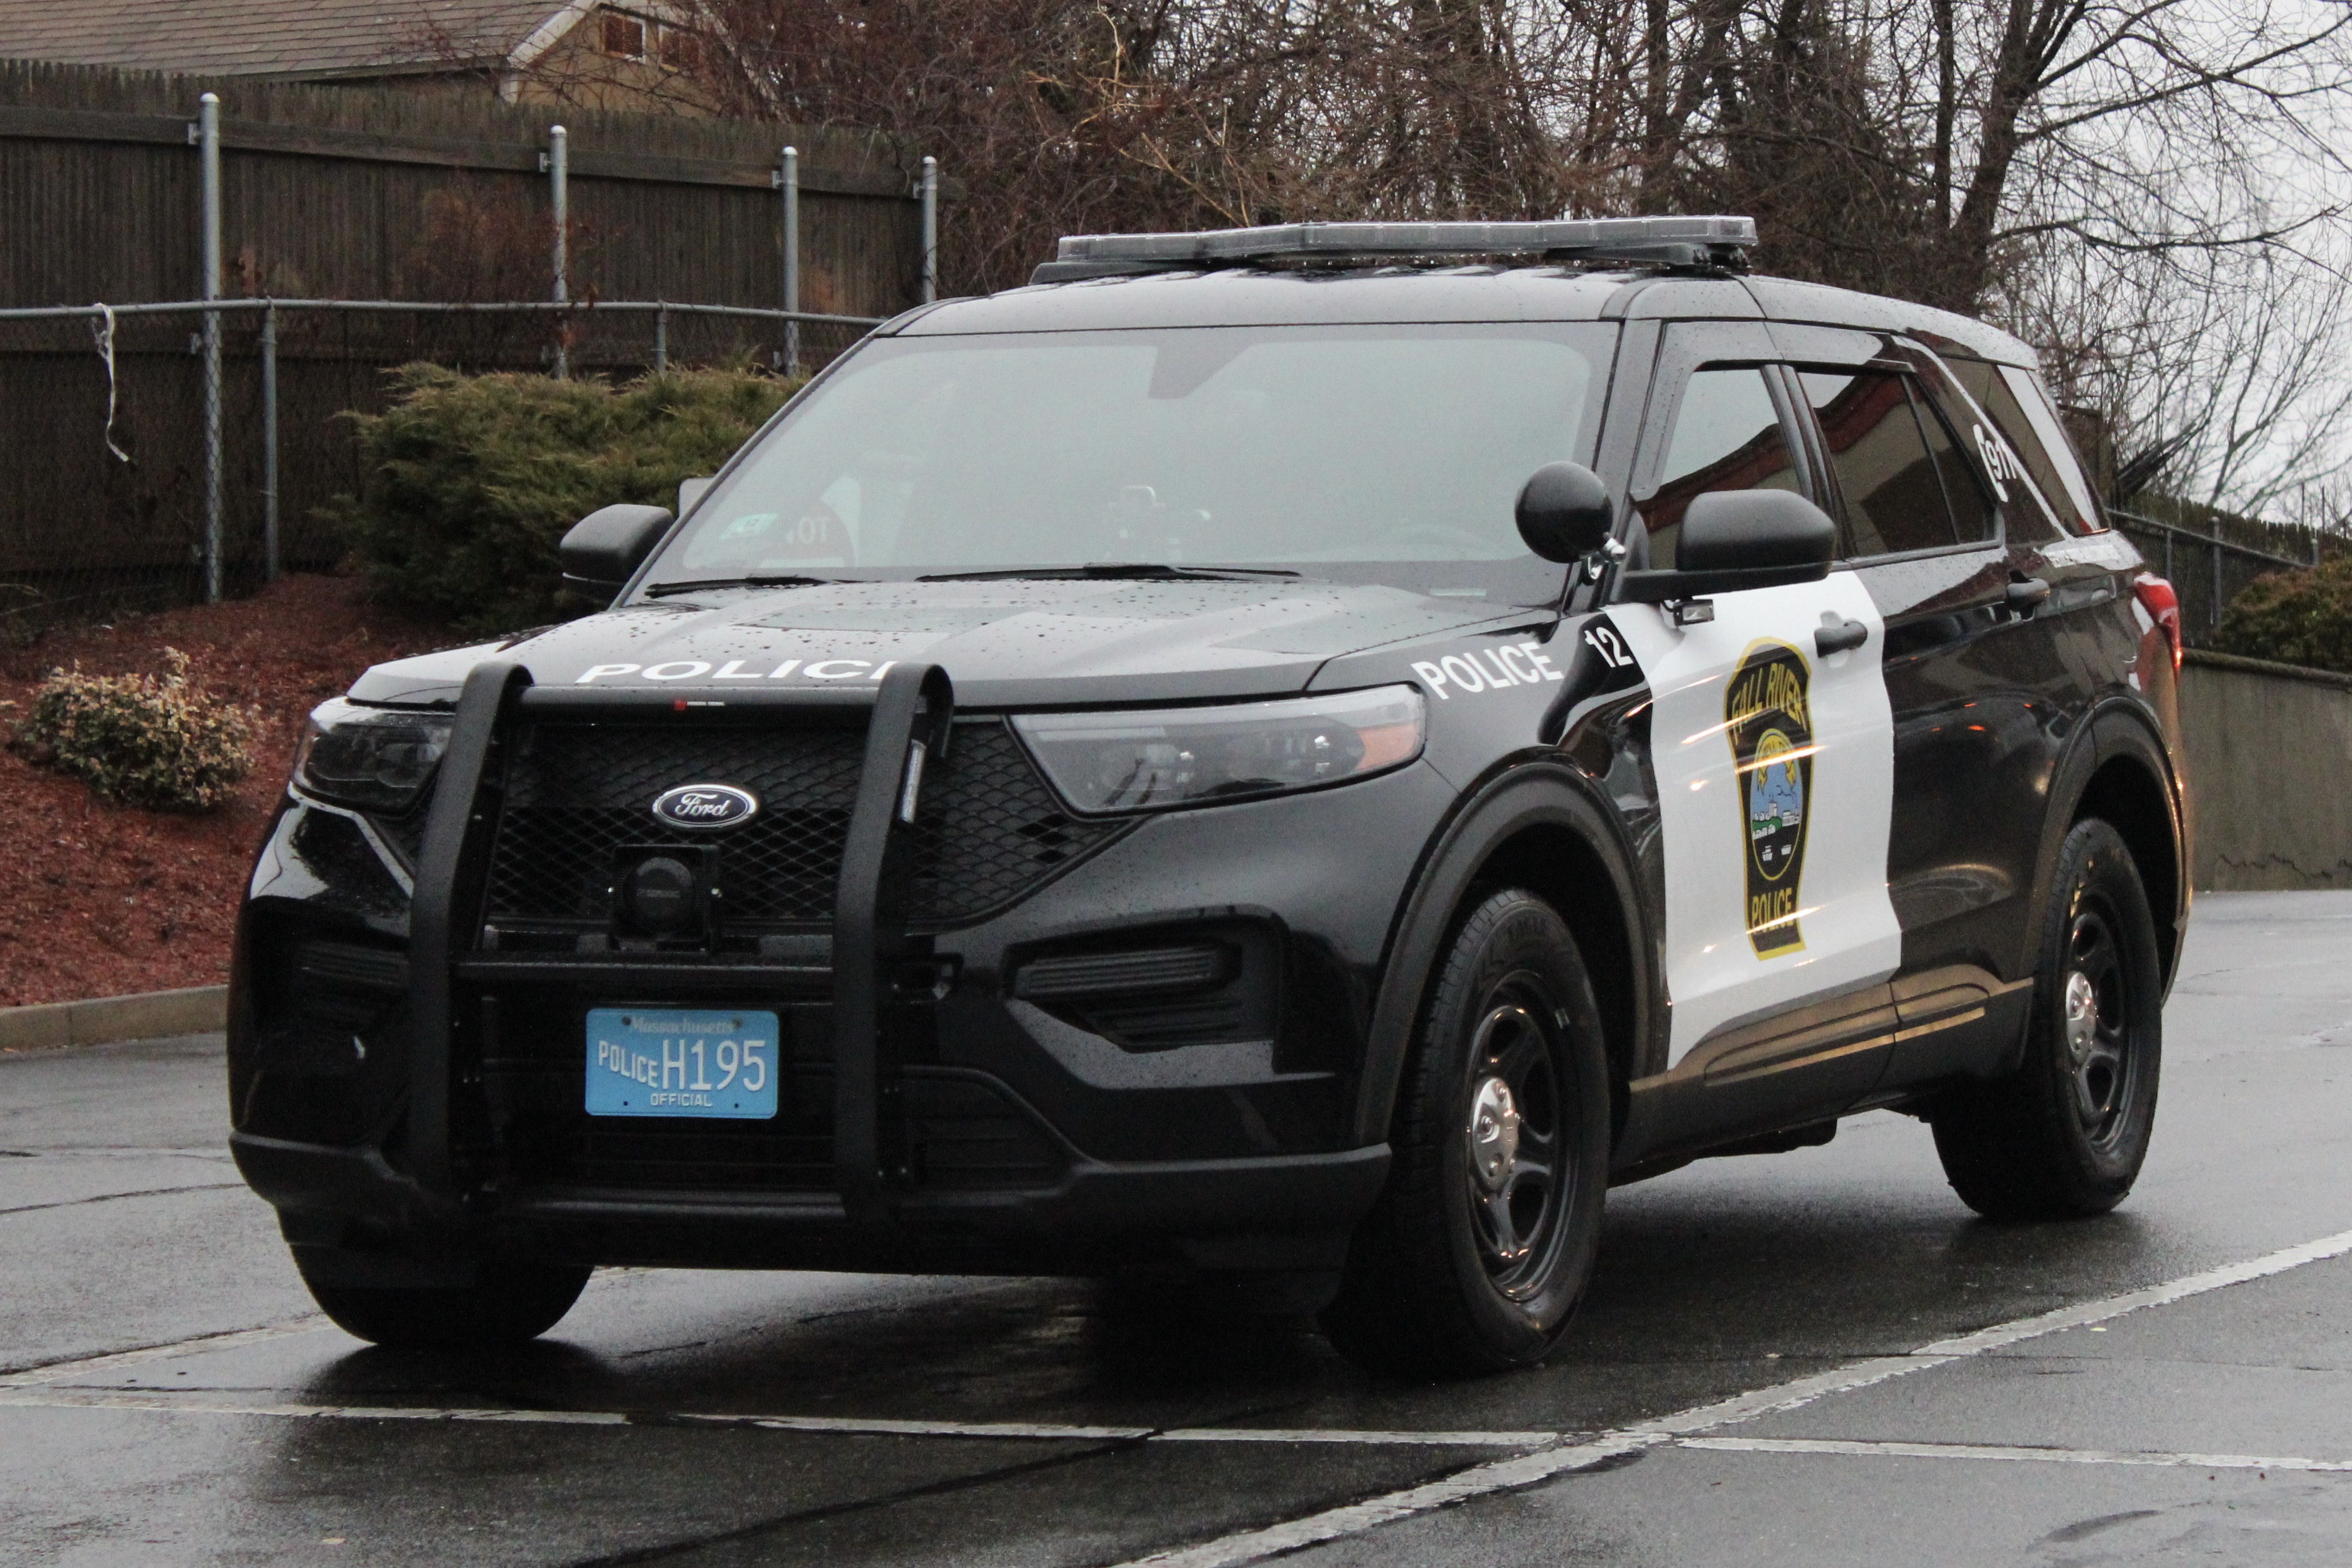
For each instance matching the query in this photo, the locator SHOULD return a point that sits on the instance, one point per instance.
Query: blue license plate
(645, 1061)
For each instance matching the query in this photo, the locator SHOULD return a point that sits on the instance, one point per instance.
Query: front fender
(1527, 804)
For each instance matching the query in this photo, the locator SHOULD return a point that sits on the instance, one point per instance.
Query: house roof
(286, 39)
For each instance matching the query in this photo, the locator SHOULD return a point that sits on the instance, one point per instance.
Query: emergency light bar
(1698, 240)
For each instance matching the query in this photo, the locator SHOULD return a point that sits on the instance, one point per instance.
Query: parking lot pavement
(167, 1395)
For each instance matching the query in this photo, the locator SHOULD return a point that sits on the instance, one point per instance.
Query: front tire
(507, 1304)
(2066, 1134)
(1479, 1249)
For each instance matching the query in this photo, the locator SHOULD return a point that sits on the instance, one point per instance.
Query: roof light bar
(1692, 240)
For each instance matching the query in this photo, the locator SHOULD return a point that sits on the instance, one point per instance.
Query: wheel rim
(2095, 1024)
(1515, 1133)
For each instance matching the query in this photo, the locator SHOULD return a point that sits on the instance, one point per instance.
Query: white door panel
(1776, 775)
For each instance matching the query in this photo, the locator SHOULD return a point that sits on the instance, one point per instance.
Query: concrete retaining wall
(2270, 761)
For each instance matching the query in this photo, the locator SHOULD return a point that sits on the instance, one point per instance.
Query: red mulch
(104, 899)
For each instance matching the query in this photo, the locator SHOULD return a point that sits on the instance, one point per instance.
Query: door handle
(2025, 595)
(1840, 638)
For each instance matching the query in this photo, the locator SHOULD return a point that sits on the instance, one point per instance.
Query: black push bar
(912, 716)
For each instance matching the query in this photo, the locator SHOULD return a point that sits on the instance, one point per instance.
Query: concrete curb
(199, 1010)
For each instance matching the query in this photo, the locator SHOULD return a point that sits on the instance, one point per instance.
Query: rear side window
(2012, 400)
(1899, 467)
(2056, 450)
(1727, 436)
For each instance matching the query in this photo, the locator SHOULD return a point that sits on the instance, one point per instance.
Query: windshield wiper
(662, 589)
(1110, 570)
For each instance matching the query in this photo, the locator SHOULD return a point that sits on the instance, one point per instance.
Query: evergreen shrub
(2294, 617)
(468, 483)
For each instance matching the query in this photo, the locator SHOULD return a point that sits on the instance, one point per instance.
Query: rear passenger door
(1970, 677)
(1774, 759)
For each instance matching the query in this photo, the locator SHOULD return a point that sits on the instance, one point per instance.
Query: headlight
(1196, 756)
(372, 758)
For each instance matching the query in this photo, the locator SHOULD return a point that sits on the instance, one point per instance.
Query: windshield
(1384, 454)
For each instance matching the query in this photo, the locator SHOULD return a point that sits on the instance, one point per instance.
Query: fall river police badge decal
(1768, 714)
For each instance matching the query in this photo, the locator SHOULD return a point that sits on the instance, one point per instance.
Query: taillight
(2163, 607)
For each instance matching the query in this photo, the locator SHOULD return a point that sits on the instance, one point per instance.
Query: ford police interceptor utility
(1293, 756)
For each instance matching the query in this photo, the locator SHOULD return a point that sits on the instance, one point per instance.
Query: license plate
(682, 1062)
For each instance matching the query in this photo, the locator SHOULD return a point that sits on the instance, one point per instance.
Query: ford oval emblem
(706, 805)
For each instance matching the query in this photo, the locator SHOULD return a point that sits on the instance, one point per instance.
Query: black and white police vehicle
(1295, 757)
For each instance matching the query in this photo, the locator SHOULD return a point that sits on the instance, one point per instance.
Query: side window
(2039, 508)
(2057, 450)
(1972, 513)
(1891, 456)
(1727, 436)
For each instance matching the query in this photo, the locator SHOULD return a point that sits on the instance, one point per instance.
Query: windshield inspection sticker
(1488, 669)
(1766, 719)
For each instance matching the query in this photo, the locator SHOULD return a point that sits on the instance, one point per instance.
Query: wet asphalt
(699, 1417)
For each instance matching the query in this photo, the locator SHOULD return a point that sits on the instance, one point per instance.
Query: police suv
(1291, 757)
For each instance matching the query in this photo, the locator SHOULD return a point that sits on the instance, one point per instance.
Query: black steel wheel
(1479, 1251)
(507, 1304)
(2066, 1134)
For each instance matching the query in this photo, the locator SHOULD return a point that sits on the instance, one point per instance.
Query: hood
(1004, 643)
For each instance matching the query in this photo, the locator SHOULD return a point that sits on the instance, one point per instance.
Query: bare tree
(2223, 373)
(2103, 174)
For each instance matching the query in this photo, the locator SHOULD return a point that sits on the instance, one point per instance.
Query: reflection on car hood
(1004, 643)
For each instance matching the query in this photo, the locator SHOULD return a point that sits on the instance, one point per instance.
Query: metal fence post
(558, 176)
(661, 339)
(2215, 617)
(930, 230)
(208, 144)
(269, 443)
(789, 178)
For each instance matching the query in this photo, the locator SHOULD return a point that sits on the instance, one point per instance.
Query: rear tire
(2066, 1134)
(1478, 1251)
(507, 1304)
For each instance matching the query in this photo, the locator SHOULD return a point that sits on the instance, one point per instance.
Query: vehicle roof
(1249, 297)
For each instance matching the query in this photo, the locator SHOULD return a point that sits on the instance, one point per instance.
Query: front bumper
(984, 1131)
(1275, 1213)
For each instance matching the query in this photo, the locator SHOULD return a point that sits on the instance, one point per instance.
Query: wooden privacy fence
(348, 196)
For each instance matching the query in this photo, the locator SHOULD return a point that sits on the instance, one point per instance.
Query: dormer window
(622, 36)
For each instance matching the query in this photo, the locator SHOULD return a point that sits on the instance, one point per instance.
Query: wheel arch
(1537, 827)
(2122, 773)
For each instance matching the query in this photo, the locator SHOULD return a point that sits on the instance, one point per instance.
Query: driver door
(1774, 759)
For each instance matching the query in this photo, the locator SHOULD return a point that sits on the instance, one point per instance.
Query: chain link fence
(174, 452)
(2208, 568)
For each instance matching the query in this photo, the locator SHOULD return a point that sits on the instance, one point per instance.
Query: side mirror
(1564, 511)
(605, 548)
(1732, 539)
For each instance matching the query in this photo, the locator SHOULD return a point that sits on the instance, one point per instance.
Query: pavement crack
(115, 1197)
(761, 1528)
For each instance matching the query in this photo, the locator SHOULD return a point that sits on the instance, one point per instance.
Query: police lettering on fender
(1498, 668)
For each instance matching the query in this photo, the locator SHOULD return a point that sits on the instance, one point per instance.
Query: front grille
(988, 829)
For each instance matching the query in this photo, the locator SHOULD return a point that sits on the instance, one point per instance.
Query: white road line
(37, 1397)
(1501, 1475)
(1554, 1454)
(1018, 1430)
(1863, 1449)
(98, 1365)
(1402, 1439)
(1529, 1469)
